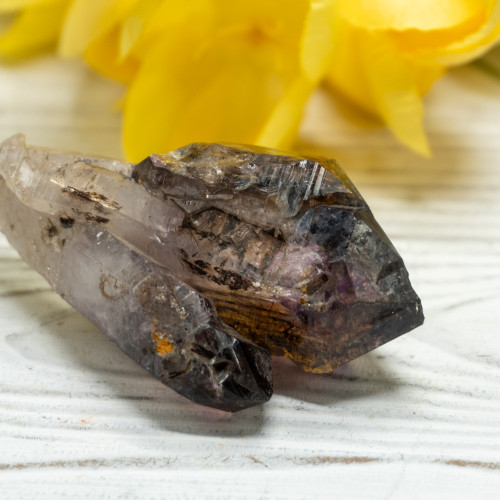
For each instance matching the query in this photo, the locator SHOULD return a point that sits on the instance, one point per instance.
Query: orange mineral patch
(162, 345)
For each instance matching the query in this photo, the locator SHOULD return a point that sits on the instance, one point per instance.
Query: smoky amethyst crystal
(200, 262)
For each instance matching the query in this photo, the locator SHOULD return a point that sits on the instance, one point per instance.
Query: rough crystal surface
(191, 247)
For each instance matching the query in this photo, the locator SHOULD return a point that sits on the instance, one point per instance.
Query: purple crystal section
(287, 250)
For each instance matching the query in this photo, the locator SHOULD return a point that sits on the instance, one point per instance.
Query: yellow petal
(281, 127)
(35, 30)
(418, 42)
(277, 19)
(282, 18)
(466, 48)
(13, 5)
(317, 42)
(172, 22)
(370, 71)
(103, 54)
(135, 23)
(226, 92)
(88, 20)
(130, 32)
(403, 15)
(347, 73)
(425, 76)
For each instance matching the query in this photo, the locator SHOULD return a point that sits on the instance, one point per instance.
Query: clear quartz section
(161, 322)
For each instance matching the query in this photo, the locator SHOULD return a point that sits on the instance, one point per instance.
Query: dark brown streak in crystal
(91, 217)
(91, 196)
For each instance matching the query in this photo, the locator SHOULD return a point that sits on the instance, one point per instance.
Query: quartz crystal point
(161, 322)
(172, 256)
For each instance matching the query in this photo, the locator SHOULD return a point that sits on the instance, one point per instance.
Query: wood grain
(417, 418)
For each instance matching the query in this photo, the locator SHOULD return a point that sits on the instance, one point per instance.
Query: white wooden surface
(418, 418)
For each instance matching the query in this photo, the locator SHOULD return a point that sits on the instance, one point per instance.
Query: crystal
(182, 257)
(162, 323)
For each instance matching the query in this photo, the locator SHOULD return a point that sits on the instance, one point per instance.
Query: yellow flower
(202, 70)
(205, 70)
(388, 53)
(240, 71)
